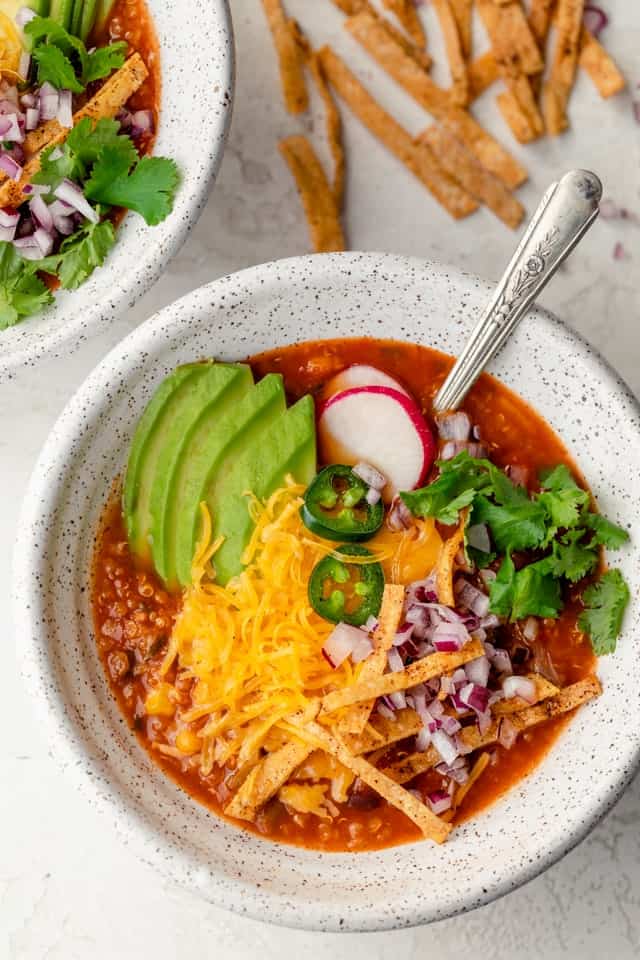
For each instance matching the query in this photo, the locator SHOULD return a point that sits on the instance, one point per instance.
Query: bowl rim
(35, 675)
(63, 335)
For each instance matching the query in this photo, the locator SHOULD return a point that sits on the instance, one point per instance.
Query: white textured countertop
(68, 889)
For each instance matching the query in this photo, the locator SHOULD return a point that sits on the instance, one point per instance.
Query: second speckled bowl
(279, 303)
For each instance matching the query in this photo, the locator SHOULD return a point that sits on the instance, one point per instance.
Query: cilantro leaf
(563, 499)
(519, 525)
(148, 189)
(459, 481)
(80, 254)
(21, 292)
(605, 532)
(56, 165)
(55, 68)
(103, 61)
(571, 559)
(605, 604)
(75, 158)
(531, 591)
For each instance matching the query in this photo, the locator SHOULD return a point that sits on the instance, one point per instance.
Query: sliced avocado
(143, 436)
(221, 386)
(214, 447)
(287, 446)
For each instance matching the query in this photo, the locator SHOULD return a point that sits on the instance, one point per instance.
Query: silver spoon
(566, 212)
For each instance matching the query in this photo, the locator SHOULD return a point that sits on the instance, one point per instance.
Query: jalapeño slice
(345, 591)
(335, 506)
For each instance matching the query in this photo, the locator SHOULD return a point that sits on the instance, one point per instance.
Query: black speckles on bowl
(278, 303)
(195, 114)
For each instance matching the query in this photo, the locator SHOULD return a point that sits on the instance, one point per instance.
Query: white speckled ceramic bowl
(197, 67)
(279, 303)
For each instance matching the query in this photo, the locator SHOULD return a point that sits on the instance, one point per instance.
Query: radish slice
(380, 426)
(360, 375)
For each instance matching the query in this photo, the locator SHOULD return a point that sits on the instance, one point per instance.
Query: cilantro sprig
(64, 61)
(555, 528)
(22, 293)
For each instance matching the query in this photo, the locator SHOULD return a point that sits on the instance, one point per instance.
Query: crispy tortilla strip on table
(318, 200)
(433, 828)
(111, 97)
(462, 11)
(459, 91)
(429, 667)
(483, 73)
(266, 778)
(402, 68)
(463, 166)
(417, 158)
(407, 14)
(517, 56)
(294, 88)
(559, 84)
(446, 562)
(539, 18)
(334, 129)
(602, 69)
(568, 699)
(355, 720)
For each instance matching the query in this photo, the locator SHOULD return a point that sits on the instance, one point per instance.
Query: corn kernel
(159, 703)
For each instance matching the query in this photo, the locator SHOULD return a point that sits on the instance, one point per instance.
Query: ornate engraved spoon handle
(566, 212)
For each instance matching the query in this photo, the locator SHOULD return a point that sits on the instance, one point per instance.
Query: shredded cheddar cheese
(250, 652)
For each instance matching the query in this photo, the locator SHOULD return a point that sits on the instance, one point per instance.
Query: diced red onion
(477, 671)
(521, 687)
(490, 622)
(394, 660)
(399, 516)
(475, 696)
(9, 218)
(10, 128)
(36, 246)
(450, 725)
(23, 16)
(370, 476)
(362, 649)
(28, 100)
(451, 449)
(436, 709)
(487, 576)
(124, 119)
(415, 615)
(7, 234)
(507, 734)
(41, 214)
(439, 801)
(341, 643)
(484, 721)
(373, 497)
(49, 102)
(423, 740)
(454, 426)
(530, 628)
(398, 699)
(24, 65)
(372, 622)
(459, 677)
(473, 599)
(495, 696)
(403, 634)
(141, 122)
(384, 711)
(595, 19)
(449, 637)
(65, 109)
(445, 746)
(72, 194)
(33, 118)
(12, 169)
(424, 649)
(502, 661)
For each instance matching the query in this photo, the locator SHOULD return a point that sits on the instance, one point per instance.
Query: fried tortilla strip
(429, 667)
(432, 827)
(381, 732)
(602, 69)
(459, 90)
(374, 666)
(294, 88)
(517, 56)
(446, 562)
(568, 699)
(392, 58)
(544, 690)
(408, 16)
(483, 73)
(559, 84)
(477, 770)
(462, 10)
(318, 200)
(334, 129)
(109, 99)
(463, 166)
(266, 778)
(417, 158)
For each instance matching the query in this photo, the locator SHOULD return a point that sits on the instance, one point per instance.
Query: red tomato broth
(133, 612)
